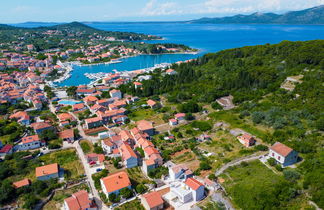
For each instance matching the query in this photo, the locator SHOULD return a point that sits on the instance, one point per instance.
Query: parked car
(99, 169)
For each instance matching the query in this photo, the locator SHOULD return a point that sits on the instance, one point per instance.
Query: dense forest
(254, 76)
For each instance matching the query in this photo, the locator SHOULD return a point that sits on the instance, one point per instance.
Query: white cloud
(156, 8)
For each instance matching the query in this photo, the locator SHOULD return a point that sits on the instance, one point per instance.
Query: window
(272, 154)
(278, 157)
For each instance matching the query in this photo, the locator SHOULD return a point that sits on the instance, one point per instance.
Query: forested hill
(255, 76)
(313, 15)
(77, 27)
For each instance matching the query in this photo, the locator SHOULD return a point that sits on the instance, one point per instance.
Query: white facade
(30, 145)
(287, 160)
(183, 193)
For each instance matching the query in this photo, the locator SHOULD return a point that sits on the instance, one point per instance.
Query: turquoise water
(205, 37)
(67, 102)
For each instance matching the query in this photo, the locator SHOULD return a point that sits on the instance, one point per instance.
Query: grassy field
(254, 186)
(57, 201)
(235, 122)
(86, 146)
(183, 157)
(146, 114)
(135, 204)
(137, 175)
(225, 148)
(68, 160)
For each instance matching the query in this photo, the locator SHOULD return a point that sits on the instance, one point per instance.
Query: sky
(17, 11)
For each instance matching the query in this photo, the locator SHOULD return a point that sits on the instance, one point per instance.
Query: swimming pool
(69, 102)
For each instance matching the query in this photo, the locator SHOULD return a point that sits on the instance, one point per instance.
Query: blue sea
(205, 37)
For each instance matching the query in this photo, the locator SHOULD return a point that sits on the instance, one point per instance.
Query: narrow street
(84, 162)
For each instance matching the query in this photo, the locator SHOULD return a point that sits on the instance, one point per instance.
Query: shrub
(278, 167)
(261, 147)
(291, 175)
(204, 165)
(216, 106)
(272, 162)
(202, 125)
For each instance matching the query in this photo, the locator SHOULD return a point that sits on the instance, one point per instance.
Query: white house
(108, 146)
(197, 188)
(180, 172)
(114, 183)
(115, 94)
(283, 154)
(182, 192)
(30, 142)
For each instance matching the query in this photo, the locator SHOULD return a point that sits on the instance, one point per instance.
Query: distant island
(312, 16)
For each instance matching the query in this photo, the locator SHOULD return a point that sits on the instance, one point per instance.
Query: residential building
(151, 103)
(22, 117)
(115, 94)
(115, 182)
(30, 142)
(180, 116)
(180, 172)
(283, 154)
(108, 146)
(129, 157)
(173, 122)
(21, 183)
(246, 140)
(79, 201)
(67, 135)
(197, 188)
(47, 172)
(152, 201)
(39, 127)
(6, 150)
(146, 127)
(93, 122)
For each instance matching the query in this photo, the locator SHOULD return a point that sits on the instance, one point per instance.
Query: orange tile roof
(116, 181)
(29, 139)
(21, 183)
(153, 199)
(127, 152)
(144, 125)
(65, 117)
(47, 169)
(40, 125)
(151, 102)
(193, 183)
(66, 134)
(281, 149)
(92, 120)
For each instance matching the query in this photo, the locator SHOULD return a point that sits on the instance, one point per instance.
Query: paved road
(84, 162)
(218, 197)
(237, 162)
(87, 170)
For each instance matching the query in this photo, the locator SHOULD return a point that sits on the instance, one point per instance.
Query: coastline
(68, 66)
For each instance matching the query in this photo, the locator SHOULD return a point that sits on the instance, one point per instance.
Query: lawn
(86, 146)
(57, 201)
(254, 186)
(135, 204)
(68, 160)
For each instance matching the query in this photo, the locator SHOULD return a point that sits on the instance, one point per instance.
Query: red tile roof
(281, 149)
(47, 169)
(153, 199)
(21, 183)
(144, 125)
(193, 183)
(116, 181)
(6, 148)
